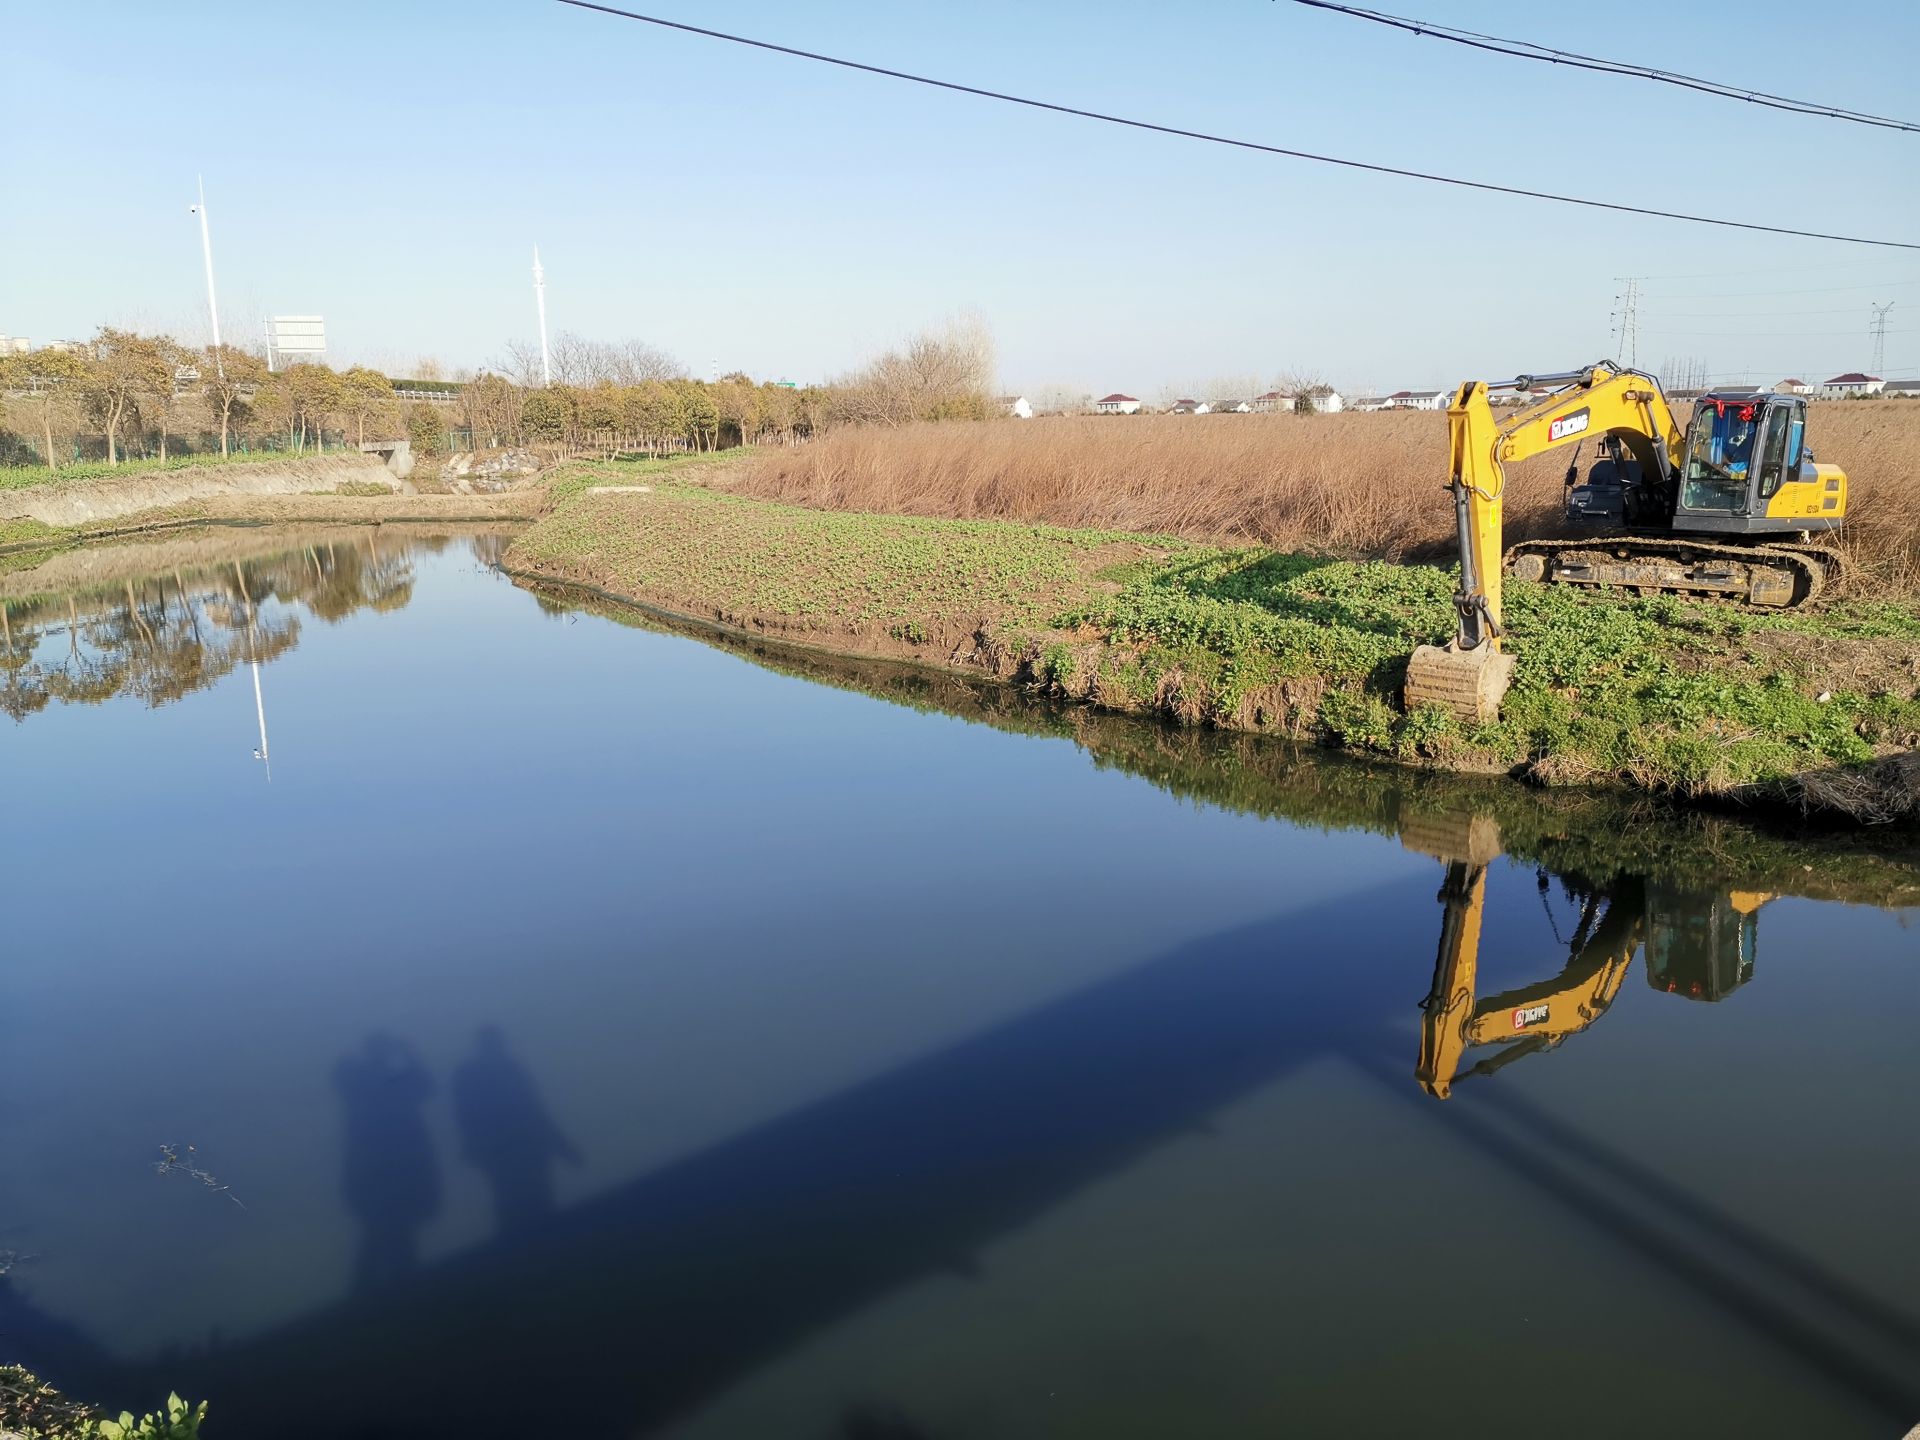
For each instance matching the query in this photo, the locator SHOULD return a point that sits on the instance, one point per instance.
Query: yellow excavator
(1698, 946)
(1727, 508)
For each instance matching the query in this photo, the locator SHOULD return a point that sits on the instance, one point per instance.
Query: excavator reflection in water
(1698, 945)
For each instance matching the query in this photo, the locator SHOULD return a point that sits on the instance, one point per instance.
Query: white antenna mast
(206, 250)
(540, 303)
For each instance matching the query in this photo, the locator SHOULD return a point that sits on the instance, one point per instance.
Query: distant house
(1116, 404)
(1188, 407)
(1232, 407)
(1793, 387)
(1417, 400)
(1902, 389)
(1016, 406)
(1845, 387)
(1322, 398)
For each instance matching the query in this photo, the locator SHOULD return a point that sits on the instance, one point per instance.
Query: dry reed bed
(1355, 485)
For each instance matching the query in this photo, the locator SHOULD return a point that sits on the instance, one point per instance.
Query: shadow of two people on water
(390, 1174)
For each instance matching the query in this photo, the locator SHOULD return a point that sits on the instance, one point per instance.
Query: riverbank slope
(1820, 708)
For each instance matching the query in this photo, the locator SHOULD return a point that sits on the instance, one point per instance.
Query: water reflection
(389, 1177)
(507, 1134)
(1698, 944)
(159, 620)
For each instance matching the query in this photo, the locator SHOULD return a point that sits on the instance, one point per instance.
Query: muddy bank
(92, 501)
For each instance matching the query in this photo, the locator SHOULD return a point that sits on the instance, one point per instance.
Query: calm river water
(580, 1029)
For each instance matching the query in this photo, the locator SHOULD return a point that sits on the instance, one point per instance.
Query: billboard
(295, 339)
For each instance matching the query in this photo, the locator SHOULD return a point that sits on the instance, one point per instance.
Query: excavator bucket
(1468, 684)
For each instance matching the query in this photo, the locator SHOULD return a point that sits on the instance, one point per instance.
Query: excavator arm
(1469, 675)
(1533, 1017)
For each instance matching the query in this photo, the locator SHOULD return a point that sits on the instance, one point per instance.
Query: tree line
(152, 395)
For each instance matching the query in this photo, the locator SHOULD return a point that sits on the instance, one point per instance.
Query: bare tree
(944, 374)
(1302, 387)
(1230, 388)
(1061, 400)
(581, 362)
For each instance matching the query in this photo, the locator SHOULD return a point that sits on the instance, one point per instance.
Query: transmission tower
(1879, 331)
(1626, 319)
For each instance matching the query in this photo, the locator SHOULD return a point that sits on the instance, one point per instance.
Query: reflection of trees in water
(161, 637)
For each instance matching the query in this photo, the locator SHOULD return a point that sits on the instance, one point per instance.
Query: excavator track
(1771, 576)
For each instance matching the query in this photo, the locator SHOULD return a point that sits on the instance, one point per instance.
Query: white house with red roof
(1845, 387)
(1116, 404)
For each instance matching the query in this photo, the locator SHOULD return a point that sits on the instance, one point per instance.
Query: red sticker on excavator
(1527, 1016)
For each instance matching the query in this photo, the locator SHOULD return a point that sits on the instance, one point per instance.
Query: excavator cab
(1701, 946)
(1747, 470)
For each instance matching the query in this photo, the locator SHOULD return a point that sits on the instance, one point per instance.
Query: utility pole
(1879, 330)
(540, 304)
(1626, 319)
(206, 250)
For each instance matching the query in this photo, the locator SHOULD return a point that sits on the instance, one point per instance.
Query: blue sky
(392, 165)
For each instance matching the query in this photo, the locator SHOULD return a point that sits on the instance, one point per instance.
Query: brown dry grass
(1354, 485)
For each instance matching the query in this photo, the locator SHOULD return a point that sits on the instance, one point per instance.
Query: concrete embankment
(91, 501)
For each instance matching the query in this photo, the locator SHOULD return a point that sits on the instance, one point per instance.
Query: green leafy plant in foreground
(180, 1422)
(33, 1409)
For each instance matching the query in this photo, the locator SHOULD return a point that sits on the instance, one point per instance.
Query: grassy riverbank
(1651, 692)
(22, 477)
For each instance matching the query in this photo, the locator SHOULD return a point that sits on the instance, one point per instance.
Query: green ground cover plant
(1653, 692)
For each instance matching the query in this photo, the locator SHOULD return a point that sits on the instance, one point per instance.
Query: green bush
(426, 430)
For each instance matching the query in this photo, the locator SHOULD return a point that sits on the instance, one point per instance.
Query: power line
(1767, 334)
(1822, 290)
(1777, 270)
(1528, 50)
(1184, 134)
(1757, 314)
